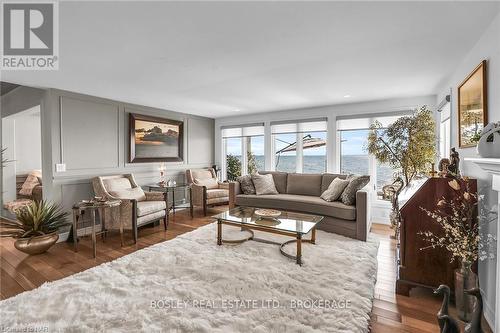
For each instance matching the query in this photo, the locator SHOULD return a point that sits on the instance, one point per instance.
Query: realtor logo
(30, 36)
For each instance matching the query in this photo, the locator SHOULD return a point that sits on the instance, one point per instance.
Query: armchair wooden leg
(135, 234)
(204, 201)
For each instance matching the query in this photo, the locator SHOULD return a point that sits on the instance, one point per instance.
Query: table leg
(121, 225)
(173, 200)
(92, 214)
(167, 210)
(313, 236)
(76, 212)
(102, 215)
(219, 232)
(299, 249)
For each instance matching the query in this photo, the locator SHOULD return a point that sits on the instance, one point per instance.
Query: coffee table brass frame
(298, 237)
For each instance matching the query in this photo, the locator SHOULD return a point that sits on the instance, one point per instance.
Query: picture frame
(472, 106)
(155, 139)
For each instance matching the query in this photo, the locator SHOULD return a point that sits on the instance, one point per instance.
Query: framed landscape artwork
(472, 107)
(154, 139)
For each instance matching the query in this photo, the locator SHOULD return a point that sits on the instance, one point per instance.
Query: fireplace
(492, 166)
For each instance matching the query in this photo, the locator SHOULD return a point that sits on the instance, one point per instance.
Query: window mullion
(244, 156)
(299, 159)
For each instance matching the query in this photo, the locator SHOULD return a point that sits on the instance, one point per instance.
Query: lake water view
(357, 164)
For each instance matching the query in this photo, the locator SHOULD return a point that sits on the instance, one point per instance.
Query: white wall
(28, 144)
(487, 47)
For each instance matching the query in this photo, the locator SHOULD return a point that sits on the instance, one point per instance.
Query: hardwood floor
(391, 313)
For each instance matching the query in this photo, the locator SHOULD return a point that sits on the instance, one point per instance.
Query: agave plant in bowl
(35, 227)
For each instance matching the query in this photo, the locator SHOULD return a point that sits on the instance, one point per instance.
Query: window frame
(299, 134)
(244, 146)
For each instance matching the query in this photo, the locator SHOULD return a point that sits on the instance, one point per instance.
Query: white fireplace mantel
(492, 166)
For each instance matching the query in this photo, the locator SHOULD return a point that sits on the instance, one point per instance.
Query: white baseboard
(489, 315)
(81, 232)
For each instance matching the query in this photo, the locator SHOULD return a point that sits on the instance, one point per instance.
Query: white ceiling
(213, 58)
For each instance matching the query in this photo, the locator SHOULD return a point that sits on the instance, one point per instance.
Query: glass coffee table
(291, 224)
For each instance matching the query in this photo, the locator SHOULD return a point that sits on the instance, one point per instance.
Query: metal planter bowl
(36, 245)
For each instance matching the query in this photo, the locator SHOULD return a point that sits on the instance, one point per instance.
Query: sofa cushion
(299, 203)
(356, 183)
(129, 193)
(304, 184)
(148, 207)
(264, 184)
(280, 179)
(328, 178)
(217, 193)
(335, 189)
(246, 184)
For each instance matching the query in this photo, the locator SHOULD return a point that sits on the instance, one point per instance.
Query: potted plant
(461, 237)
(408, 145)
(35, 227)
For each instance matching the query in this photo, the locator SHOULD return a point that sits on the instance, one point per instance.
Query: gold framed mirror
(472, 107)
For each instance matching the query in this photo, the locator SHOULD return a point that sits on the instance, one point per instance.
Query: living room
(250, 166)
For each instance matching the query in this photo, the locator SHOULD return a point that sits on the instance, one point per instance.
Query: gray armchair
(138, 208)
(206, 190)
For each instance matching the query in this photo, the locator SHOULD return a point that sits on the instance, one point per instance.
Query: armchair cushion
(149, 207)
(116, 184)
(154, 196)
(209, 183)
(224, 186)
(217, 193)
(135, 193)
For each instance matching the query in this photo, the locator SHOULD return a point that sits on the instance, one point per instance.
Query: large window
(255, 154)
(285, 152)
(243, 150)
(353, 157)
(352, 134)
(300, 146)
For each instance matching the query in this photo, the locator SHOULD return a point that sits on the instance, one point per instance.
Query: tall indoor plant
(35, 227)
(408, 145)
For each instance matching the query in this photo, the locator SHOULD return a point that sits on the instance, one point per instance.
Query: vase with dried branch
(458, 218)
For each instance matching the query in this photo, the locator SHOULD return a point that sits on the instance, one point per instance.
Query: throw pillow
(337, 186)
(356, 183)
(129, 193)
(246, 184)
(29, 184)
(209, 183)
(264, 184)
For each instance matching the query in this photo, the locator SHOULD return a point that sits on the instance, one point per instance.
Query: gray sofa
(301, 193)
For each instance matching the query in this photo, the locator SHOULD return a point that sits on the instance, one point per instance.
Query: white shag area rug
(189, 284)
